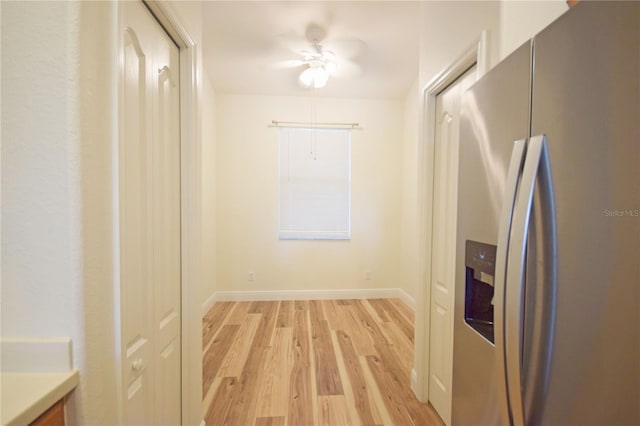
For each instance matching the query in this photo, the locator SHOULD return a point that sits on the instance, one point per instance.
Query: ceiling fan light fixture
(315, 76)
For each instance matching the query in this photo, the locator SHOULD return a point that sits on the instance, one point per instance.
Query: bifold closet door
(149, 197)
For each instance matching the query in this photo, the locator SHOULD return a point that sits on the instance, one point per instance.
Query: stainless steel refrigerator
(546, 321)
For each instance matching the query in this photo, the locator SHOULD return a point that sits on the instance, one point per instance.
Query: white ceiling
(243, 40)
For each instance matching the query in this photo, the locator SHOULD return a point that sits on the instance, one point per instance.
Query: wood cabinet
(54, 416)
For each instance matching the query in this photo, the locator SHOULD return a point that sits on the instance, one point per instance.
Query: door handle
(504, 230)
(137, 365)
(515, 274)
(541, 297)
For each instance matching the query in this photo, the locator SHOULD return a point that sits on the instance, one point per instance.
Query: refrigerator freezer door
(532, 238)
(586, 99)
(495, 113)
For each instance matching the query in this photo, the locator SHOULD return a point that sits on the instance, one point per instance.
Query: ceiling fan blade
(292, 42)
(347, 48)
(347, 69)
(329, 55)
(289, 63)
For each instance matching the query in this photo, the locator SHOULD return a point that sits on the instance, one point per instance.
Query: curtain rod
(277, 123)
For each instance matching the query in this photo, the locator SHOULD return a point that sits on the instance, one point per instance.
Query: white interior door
(149, 163)
(445, 196)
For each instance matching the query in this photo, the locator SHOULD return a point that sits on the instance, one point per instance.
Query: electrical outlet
(367, 275)
(251, 276)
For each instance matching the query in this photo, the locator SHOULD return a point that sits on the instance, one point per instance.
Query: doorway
(445, 200)
(431, 378)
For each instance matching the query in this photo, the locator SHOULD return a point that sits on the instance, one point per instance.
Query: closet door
(149, 203)
(445, 207)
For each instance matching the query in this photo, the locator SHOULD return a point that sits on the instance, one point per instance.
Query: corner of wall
(409, 191)
(96, 98)
(209, 193)
(208, 303)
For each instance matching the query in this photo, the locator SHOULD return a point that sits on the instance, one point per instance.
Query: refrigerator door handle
(504, 230)
(516, 261)
(540, 294)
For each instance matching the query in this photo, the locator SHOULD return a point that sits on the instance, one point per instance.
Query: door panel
(444, 213)
(166, 190)
(149, 161)
(134, 253)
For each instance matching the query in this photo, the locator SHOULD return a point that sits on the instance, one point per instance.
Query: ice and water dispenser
(480, 260)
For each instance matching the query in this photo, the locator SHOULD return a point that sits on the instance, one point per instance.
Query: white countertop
(25, 396)
(36, 373)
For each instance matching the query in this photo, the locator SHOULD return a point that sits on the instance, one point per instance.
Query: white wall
(247, 197)
(58, 134)
(208, 282)
(57, 277)
(521, 20)
(450, 27)
(40, 168)
(409, 192)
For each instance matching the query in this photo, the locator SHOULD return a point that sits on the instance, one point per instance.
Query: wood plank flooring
(299, 363)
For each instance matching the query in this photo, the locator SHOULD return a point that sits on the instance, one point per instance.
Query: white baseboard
(407, 298)
(414, 383)
(208, 303)
(360, 293)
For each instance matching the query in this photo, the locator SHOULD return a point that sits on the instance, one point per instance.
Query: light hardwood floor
(298, 363)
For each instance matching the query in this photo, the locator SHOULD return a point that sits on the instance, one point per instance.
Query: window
(315, 183)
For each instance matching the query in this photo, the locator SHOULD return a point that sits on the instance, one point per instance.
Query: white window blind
(315, 183)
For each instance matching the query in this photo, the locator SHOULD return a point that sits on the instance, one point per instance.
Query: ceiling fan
(319, 62)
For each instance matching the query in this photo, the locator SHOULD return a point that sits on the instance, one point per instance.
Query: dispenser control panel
(480, 266)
